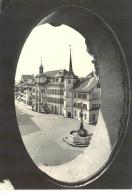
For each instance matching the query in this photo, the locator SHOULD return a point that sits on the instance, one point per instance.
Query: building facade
(62, 92)
(24, 89)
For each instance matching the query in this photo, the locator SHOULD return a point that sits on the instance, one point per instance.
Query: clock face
(43, 79)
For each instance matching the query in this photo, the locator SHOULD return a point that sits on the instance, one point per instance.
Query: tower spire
(41, 66)
(70, 64)
(41, 60)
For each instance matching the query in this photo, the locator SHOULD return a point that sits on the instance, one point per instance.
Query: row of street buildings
(61, 92)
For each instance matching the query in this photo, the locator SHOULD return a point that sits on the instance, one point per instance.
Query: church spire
(41, 60)
(70, 64)
(70, 74)
(41, 67)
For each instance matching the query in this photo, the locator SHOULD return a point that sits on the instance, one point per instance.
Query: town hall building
(64, 93)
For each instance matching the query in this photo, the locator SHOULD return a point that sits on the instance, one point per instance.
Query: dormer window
(60, 73)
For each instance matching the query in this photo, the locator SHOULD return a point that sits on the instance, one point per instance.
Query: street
(43, 136)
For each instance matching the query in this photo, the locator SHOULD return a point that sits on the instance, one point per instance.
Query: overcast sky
(52, 44)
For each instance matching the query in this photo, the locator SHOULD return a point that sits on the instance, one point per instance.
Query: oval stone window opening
(67, 103)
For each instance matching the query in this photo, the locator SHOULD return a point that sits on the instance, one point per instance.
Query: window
(61, 92)
(95, 97)
(75, 104)
(79, 95)
(74, 95)
(79, 105)
(85, 106)
(61, 101)
(93, 117)
(57, 91)
(95, 106)
(84, 96)
(55, 100)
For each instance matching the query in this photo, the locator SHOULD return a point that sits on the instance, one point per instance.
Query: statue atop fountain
(80, 137)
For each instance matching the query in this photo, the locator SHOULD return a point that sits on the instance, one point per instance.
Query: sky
(52, 45)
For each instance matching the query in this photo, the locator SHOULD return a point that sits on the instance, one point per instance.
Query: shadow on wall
(102, 44)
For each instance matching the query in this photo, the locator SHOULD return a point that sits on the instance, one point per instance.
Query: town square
(60, 120)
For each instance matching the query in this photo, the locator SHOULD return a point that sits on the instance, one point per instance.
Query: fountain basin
(75, 139)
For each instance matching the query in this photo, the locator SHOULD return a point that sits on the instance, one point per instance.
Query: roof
(56, 73)
(27, 77)
(70, 76)
(41, 75)
(87, 85)
(26, 80)
(53, 73)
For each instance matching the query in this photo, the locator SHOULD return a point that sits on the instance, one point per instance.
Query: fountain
(80, 137)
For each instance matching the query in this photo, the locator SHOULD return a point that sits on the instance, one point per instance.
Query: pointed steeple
(41, 60)
(41, 67)
(70, 64)
(70, 74)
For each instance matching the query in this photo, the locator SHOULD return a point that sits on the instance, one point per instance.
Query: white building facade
(62, 92)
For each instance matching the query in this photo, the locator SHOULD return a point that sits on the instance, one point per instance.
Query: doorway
(69, 114)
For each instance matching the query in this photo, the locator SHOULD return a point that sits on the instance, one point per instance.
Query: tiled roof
(87, 85)
(27, 77)
(56, 73)
(26, 80)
